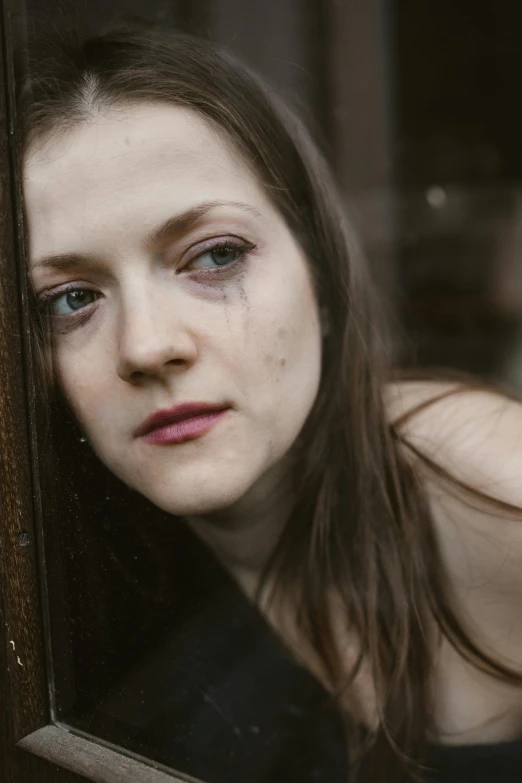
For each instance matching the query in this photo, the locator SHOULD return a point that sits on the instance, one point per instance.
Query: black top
(498, 763)
(219, 699)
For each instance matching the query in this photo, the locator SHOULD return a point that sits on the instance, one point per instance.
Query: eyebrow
(173, 226)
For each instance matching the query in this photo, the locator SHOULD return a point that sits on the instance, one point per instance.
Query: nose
(154, 339)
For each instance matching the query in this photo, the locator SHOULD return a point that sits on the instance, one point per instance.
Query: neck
(243, 537)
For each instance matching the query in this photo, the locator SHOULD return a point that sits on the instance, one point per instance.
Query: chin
(202, 499)
(199, 487)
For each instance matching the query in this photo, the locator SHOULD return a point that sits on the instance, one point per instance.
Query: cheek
(288, 352)
(68, 376)
(295, 343)
(80, 398)
(293, 353)
(83, 390)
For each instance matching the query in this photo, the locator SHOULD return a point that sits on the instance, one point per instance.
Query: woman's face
(171, 279)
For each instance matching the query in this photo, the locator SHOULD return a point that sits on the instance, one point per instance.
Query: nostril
(153, 358)
(138, 375)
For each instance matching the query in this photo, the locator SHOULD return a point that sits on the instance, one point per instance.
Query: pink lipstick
(187, 421)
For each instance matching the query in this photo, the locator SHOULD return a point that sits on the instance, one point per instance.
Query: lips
(179, 413)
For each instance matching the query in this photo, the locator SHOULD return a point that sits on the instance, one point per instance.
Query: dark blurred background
(415, 103)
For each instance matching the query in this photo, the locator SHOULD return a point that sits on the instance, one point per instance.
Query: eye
(222, 255)
(70, 302)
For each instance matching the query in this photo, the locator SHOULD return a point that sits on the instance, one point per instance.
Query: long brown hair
(361, 529)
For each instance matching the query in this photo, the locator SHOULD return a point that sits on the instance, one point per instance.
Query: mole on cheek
(272, 360)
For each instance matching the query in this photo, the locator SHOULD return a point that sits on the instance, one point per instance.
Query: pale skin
(168, 326)
(221, 308)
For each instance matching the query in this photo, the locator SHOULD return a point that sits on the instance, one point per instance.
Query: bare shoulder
(476, 437)
(474, 434)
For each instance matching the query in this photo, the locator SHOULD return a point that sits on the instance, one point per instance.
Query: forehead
(123, 167)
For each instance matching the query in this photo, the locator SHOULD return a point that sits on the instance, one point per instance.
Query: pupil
(77, 299)
(223, 255)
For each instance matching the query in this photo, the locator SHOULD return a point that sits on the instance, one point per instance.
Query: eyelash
(240, 246)
(66, 322)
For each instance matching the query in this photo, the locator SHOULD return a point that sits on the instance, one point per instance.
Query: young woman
(210, 327)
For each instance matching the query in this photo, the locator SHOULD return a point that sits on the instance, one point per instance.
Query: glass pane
(458, 171)
(157, 536)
